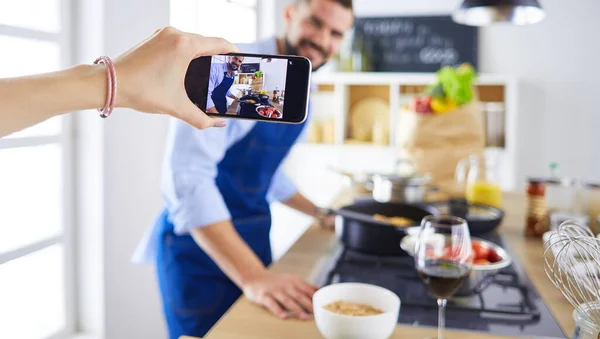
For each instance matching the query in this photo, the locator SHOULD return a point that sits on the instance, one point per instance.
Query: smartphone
(261, 87)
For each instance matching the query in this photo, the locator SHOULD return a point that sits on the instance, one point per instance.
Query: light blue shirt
(190, 168)
(217, 74)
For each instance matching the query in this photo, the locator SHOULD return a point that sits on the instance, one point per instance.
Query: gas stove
(508, 305)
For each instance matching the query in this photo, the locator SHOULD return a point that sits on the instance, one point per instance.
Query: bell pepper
(444, 105)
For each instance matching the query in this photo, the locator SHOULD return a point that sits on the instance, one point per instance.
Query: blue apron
(195, 292)
(219, 94)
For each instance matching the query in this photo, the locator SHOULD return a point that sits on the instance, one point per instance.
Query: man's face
(315, 29)
(235, 62)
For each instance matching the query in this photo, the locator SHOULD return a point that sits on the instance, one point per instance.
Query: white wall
(275, 74)
(118, 199)
(556, 62)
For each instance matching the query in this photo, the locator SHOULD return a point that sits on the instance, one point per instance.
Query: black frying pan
(357, 229)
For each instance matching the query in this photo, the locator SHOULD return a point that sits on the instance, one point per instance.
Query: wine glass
(443, 258)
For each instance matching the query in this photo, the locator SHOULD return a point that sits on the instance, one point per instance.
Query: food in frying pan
(250, 101)
(348, 308)
(396, 221)
(269, 112)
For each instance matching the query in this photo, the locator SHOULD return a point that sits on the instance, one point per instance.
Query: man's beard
(231, 67)
(293, 50)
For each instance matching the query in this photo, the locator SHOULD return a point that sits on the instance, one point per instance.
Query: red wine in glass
(443, 258)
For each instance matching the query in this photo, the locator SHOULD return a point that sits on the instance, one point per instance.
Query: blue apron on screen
(219, 94)
(195, 292)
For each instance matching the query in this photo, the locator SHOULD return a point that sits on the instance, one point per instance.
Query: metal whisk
(572, 262)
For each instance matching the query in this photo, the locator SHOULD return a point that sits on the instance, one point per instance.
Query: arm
(302, 204)
(149, 79)
(29, 100)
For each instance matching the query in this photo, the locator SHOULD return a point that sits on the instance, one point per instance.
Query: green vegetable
(258, 74)
(457, 83)
(436, 91)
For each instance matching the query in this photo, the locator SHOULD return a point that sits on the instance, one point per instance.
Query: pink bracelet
(111, 86)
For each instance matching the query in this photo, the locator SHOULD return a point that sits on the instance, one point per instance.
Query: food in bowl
(396, 221)
(350, 308)
(483, 255)
(340, 326)
(269, 112)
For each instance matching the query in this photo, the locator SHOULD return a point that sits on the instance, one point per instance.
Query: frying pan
(357, 230)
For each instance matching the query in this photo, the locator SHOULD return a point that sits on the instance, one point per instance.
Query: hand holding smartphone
(261, 87)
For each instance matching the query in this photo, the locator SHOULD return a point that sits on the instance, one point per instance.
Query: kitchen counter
(246, 320)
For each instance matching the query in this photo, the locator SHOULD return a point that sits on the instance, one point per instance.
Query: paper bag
(257, 84)
(436, 143)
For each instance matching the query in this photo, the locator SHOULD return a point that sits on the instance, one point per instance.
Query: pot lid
(413, 179)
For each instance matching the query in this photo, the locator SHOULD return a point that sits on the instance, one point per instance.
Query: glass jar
(536, 223)
(584, 329)
(593, 205)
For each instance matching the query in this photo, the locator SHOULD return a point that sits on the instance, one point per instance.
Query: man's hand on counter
(280, 293)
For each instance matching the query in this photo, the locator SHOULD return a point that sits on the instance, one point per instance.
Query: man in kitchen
(220, 81)
(211, 243)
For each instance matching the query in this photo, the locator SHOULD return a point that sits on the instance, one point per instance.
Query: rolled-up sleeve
(192, 196)
(282, 187)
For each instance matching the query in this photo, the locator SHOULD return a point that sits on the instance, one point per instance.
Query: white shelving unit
(348, 156)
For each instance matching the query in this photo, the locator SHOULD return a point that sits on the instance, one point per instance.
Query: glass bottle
(478, 176)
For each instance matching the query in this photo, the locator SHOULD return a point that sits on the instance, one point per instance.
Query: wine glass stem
(441, 317)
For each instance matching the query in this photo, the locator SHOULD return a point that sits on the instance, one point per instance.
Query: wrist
(247, 278)
(90, 82)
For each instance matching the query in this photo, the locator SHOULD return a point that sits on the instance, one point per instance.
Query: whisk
(572, 262)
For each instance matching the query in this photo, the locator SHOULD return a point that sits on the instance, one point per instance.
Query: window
(34, 185)
(234, 20)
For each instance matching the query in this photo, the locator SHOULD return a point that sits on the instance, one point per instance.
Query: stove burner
(507, 304)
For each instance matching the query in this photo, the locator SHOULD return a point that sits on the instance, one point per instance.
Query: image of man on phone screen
(222, 76)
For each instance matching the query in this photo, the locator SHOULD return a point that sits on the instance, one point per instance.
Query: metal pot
(406, 189)
(410, 188)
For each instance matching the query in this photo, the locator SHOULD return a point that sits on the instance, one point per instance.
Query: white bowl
(338, 326)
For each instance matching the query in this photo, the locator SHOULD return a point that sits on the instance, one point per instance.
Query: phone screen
(250, 86)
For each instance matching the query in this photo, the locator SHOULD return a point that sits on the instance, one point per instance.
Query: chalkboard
(414, 44)
(249, 68)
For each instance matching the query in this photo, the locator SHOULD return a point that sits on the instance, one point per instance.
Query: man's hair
(344, 3)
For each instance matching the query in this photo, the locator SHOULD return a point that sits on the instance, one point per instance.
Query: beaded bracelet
(111, 86)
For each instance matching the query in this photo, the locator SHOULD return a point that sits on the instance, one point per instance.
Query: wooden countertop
(247, 321)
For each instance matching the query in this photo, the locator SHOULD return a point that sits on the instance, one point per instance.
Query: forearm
(25, 101)
(302, 204)
(231, 253)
